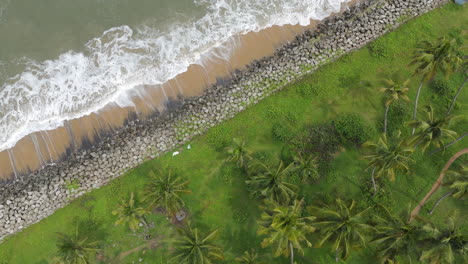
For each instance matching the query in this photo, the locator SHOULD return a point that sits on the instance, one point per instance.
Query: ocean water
(63, 59)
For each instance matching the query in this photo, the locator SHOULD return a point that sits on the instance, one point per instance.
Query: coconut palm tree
(384, 158)
(239, 153)
(394, 236)
(430, 58)
(285, 227)
(75, 248)
(444, 246)
(341, 224)
(249, 257)
(457, 182)
(194, 247)
(130, 212)
(165, 190)
(432, 130)
(393, 92)
(271, 183)
(306, 166)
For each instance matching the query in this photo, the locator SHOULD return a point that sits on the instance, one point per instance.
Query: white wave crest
(78, 83)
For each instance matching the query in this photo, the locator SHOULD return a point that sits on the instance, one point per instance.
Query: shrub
(218, 137)
(398, 114)
(440, 87)
(274, 113)
(351, 129)
(227, 173)
(292, 117)
(282, 132)
(325, 169)
(306, 90)
(116, 186)
(379, 49)
(322, 140)
(287, 153)
(264, 157)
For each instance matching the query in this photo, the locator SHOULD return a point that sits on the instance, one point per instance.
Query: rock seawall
(31, 198)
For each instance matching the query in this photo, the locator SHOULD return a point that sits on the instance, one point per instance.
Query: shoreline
(38, 149)
(45, 191)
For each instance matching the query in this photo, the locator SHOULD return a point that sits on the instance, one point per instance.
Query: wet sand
(40, 148)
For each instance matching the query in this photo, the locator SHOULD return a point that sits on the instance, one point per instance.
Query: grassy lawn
(219, 197)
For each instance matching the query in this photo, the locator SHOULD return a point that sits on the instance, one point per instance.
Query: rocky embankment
(33, 197)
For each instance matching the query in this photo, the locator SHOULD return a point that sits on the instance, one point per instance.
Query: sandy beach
(45, 147)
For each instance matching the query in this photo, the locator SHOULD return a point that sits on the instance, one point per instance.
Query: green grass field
(219, 197)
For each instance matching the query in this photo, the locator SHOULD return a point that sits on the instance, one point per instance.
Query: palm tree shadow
(245, 213)
(92, 228)
(329, 107)
(358, 89)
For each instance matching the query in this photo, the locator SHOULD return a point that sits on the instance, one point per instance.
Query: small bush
(227, 173)
(379, 49)
(116, 187)
(322, 140)
(264, 157)
(281, 132)
(295, 179)
(274, 113)
(398, 114)
(440, 87)
(218, 137)
(287, 153)
(351, 129)
(306, 90)
(325, 169)
(292, 117)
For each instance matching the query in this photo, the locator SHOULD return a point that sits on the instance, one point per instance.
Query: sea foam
(75, 84)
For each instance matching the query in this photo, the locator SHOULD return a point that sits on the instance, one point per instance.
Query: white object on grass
(175, 153)
(189, 147)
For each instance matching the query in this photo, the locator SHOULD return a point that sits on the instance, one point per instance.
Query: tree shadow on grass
(92, 228)
(241, 232)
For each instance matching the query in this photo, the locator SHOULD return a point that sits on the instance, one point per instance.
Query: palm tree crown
(394, 236)
(458, 182)
(306, 167)
(342, 225)
(196, 248)
(130, 212)
(249, 257)
(238, 153)
(75, 248)
(285, 227)
(432, 130)
(271, 183)
(431, 58)
(164, 190)
(442, 55)
(447, 245)
(393, 92)
(388, 158)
